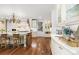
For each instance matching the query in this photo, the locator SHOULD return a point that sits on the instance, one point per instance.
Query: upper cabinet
(60, 14)
(64, 15)
(67, 14)
(72, 13)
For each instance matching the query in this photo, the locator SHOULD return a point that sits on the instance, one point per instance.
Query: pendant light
(14, 18)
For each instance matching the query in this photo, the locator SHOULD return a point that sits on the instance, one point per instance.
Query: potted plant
(67, 33)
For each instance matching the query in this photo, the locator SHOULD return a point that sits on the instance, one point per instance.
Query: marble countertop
(71, 42)
(73, 50)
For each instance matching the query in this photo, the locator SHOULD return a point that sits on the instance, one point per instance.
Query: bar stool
(16, 38)
(3, 40)
(29, 39)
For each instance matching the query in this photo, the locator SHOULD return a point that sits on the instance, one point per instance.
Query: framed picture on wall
(40, 26)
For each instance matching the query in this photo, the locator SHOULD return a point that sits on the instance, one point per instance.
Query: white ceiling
(28, 10)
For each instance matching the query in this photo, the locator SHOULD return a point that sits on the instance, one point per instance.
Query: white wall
(27, 10)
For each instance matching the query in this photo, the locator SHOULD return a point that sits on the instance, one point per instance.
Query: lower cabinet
(60, 50)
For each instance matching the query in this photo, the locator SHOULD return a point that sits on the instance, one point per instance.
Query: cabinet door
(63, 51)
(60, 50)
(57, 50)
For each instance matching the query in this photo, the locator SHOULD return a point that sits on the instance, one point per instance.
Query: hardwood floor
(40, 46)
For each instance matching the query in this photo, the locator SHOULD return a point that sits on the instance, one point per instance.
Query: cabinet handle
(60, 47)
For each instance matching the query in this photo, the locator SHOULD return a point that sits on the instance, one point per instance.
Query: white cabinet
(68, 18)
(60, 50)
